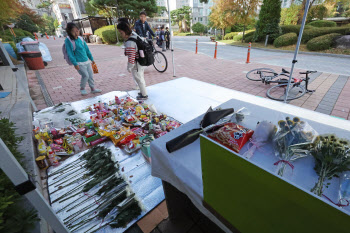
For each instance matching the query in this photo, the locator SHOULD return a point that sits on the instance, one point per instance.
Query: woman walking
(79, 54)
(132, 52)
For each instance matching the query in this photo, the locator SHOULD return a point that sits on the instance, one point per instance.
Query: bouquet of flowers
(332, 157)
(292, 140)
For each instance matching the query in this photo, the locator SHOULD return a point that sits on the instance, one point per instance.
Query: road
(328, 64)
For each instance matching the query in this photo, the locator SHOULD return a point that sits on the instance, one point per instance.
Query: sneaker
(142, 97)
(83, 92)
(96, 91)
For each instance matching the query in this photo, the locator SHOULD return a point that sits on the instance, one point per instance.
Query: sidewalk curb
(288, 51)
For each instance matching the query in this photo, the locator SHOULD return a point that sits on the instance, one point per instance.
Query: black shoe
(142, 97)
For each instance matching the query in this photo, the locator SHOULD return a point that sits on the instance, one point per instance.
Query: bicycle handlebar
(308, 72)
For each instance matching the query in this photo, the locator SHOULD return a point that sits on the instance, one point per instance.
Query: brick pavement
(62, 81)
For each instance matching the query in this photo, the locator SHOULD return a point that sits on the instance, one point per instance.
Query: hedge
(238, 37)
(322, 42)
(229, 36)
(286, 39)
(323, 23)
(293, 28)
(316, 32)
(249, 36)
(107, 34)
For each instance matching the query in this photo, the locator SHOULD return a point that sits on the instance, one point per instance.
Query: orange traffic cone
(36, 37)
(46, 35)
(248, 55)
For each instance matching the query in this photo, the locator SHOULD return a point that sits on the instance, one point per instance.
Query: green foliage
(294, 28)
(286, 39)
(198, 28)
(90, 10)
(182, 17)
(47, 5)
(323, 23)
(289, 16)
(48, 26)
(316, 32)
(229, 36)
(249, 37)
(269, 19)
(322, 42)
(10, 212)
(107, 34)
(318, 11)
(24, 22)
(6, 38)
(238, 37)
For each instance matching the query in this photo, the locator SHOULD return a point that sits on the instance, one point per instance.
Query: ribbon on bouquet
(208, 122)
(284, 161)
(337, 204)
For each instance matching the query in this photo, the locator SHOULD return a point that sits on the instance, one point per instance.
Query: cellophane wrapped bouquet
(292, 140)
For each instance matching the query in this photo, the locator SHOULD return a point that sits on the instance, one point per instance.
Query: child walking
(79, 54)
(131, 51)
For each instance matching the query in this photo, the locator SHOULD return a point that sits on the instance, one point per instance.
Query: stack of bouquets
(332, 158)
(292, 140)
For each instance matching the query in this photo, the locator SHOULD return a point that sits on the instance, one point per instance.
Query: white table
(185, 99)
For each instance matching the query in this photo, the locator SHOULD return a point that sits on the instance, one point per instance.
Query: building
(160, 20)
(31, 4)
(200, 11)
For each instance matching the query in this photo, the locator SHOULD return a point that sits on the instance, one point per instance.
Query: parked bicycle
(160, 61)
(298, 86)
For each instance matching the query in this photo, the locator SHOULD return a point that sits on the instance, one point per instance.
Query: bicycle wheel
(278, 92)
(255, 75)
(160, 62)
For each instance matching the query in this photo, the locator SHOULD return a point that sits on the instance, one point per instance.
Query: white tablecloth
(188, 99)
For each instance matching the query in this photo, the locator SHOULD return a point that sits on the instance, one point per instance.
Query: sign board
(64, 6)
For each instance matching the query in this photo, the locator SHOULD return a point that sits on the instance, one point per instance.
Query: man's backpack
(147, 48)
(64, 50)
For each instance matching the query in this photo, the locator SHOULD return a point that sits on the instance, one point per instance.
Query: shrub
(286, 39)
(290, 15)
(108, 37)
(322, 42)
(294, 28)
(323, 23)
(316, 32)
(6, 38)
(198, 28)
(230, 35)
(11, 211)
(238, 37)
(249, 37)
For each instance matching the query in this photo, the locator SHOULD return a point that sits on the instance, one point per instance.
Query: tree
(124, 8)
(239, 11)
(218, 17)
(269, 19)
(49, 26)
(90, 10)
(198, 27)
(56, 24)
(182, 17)
(46, 5)
(24, 22)
(161, 10)
(9, 10)
(24, 10)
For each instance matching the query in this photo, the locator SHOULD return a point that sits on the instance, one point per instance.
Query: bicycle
(278, 92)
(266, 75)
(160, 61)
(296, 89)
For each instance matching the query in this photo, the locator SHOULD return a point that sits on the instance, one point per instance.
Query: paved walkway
(62, 81)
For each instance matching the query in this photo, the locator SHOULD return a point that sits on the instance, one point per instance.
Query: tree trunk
(243, 33)
(301, 12)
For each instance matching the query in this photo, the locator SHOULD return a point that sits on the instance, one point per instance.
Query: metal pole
(267, 39)
(297, 48)
(171, 40)
(19, 177)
